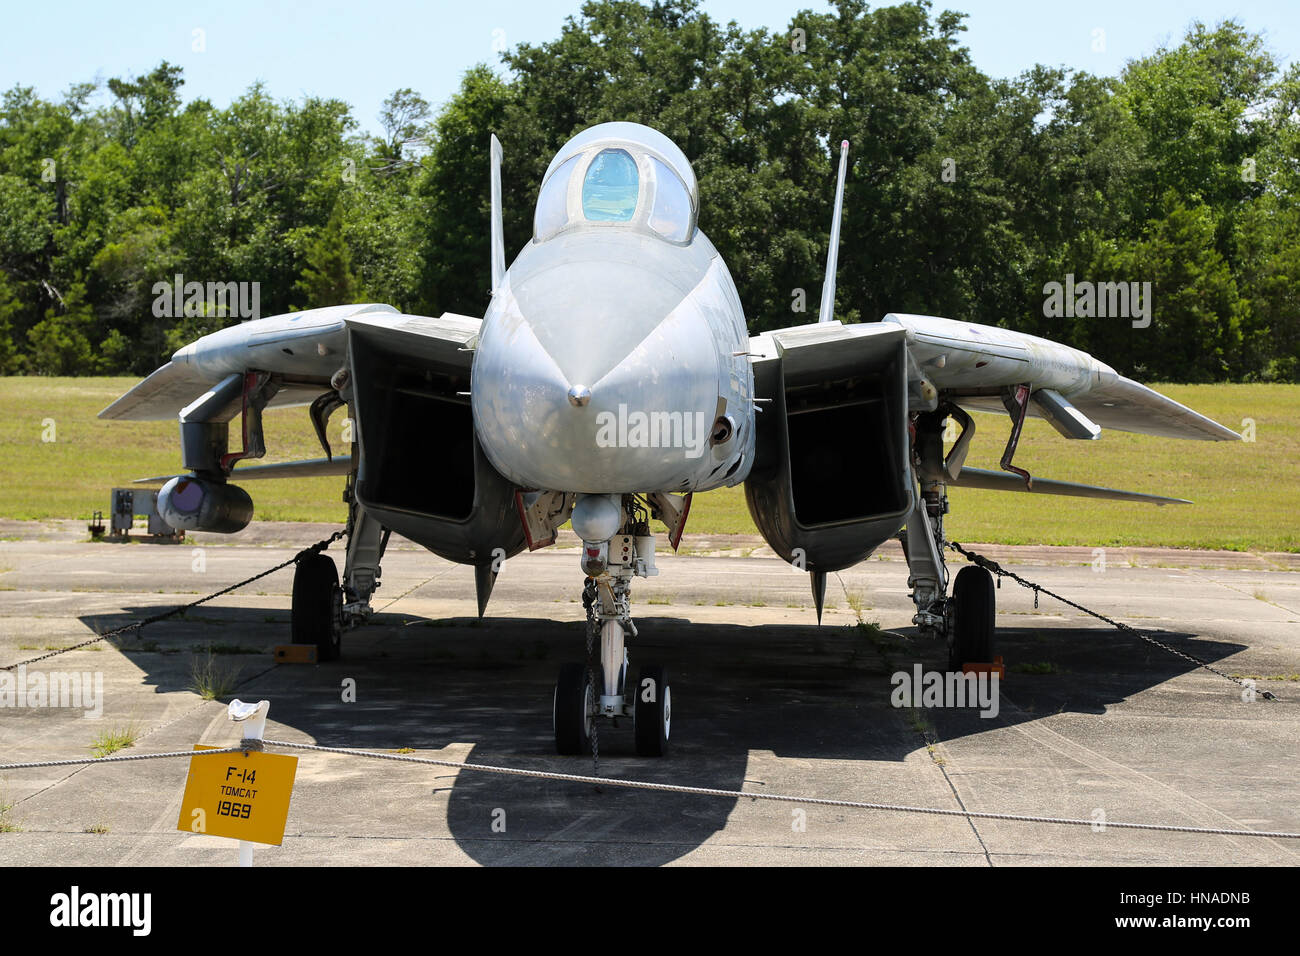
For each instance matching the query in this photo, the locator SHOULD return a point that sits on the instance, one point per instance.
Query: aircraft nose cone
(641, 424)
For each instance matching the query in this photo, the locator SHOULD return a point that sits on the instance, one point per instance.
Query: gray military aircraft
(611, 378)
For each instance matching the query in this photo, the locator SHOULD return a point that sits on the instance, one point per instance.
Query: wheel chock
(295, 653)
(994, 668)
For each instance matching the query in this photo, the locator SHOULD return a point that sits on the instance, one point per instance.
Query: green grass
(72, 476)
(1041, 667)
(111, 741)
(230, 649)
(1245, 494)
(1291, 677)
(210, 679)
(7, 825)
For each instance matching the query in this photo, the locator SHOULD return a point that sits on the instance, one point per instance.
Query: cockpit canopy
(619, 174)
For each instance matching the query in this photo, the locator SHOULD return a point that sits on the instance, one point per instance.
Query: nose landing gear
(653, 711)
(599, 689)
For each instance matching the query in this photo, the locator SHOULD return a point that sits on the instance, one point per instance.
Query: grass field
(1247, 495)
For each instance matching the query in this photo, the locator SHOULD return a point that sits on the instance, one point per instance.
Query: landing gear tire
(317, 615)
(654, 711)
(573, 705)
(974, 609)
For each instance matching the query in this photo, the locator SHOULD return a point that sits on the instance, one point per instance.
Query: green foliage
(60, 343)
(71, 476)
(328, 278)
(966, 194)
(10, 359)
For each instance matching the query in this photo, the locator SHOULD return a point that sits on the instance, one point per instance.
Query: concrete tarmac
(1091, 724)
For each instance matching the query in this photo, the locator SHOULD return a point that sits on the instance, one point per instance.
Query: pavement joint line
(956, 794)
(1224, 584)
(1099, 762)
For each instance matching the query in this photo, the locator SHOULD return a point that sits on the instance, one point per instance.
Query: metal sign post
(253, 717)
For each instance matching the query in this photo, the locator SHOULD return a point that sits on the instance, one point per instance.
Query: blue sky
(361, 52)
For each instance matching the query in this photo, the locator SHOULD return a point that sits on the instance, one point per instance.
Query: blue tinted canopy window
(610, 188)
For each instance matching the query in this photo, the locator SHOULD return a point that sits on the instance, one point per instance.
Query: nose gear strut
(600, 690)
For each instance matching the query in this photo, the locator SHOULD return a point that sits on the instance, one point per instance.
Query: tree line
(968, 196)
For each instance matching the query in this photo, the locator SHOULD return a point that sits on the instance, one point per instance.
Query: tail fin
(498, 234)
(828, 287)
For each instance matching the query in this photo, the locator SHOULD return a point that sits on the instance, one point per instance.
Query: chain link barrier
(600, 782)
(989, 564)
(316, 548)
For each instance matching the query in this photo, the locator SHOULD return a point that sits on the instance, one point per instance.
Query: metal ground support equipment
(127, 504)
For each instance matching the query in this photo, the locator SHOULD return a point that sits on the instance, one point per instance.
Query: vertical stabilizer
(827, 309)
(498, 233)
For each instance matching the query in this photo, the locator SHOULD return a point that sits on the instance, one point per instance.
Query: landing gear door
(541, 513)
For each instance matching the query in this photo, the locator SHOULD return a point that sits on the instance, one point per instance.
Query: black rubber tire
(653, 713)
(975, 607)
(570, 708)
(315, 618)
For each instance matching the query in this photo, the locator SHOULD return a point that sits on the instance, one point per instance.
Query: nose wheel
(573, 708)
(603, 690)
(654, 711)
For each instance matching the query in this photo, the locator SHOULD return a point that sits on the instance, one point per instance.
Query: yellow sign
(243, 796)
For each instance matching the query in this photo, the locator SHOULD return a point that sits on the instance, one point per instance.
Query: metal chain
(593, 627)
(316, 548)
(990, 565)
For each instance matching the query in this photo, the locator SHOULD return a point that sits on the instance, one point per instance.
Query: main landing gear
(616, 546)
(965, 621)
(973, 610)
(323, 607)
(317, 615)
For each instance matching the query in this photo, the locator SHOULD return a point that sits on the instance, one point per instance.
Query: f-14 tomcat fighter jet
(610, 379)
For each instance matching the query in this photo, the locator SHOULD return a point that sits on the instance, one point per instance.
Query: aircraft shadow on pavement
(801, 691)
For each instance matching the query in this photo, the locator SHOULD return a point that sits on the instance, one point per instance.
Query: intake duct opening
(844, 449)
(419, 435)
